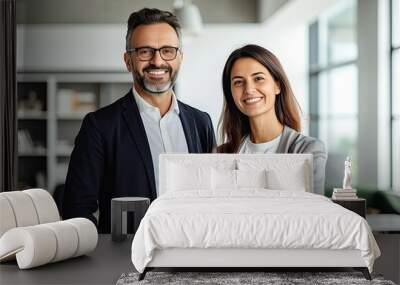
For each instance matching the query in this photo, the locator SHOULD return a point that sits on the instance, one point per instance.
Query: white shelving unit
(55, 133)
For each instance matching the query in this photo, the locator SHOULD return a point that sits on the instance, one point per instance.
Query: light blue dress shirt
(164, 134)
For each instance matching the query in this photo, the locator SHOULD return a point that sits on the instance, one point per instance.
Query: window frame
(393, 117)
(316, 70)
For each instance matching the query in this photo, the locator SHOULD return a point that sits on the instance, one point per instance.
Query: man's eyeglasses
(147, 53)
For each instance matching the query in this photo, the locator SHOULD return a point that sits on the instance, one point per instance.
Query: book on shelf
(72, 103)
(26, 145)
(31, 105)
(31, 114)
(25, 142)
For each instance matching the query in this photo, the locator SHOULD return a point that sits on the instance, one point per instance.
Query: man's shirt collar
(145, 107)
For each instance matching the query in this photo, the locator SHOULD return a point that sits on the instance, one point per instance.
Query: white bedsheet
(252, 218)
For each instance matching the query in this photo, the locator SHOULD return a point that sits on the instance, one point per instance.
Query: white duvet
(252, 218)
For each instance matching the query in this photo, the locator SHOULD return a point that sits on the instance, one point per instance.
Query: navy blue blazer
(112, 158)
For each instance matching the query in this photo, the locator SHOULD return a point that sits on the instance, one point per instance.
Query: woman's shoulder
(310, 143)
(300, 143)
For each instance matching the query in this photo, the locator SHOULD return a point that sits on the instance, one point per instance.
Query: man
(117, 148)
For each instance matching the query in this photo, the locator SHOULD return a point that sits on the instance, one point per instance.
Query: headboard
(282, 163)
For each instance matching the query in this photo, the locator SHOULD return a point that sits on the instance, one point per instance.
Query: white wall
(70, 47)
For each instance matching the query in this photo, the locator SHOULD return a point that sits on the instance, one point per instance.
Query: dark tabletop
(104, 265)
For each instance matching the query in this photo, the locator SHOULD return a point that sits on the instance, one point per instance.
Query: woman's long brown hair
(233, 124)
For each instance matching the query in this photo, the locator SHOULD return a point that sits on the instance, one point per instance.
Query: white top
(164, 134)
(249, 147)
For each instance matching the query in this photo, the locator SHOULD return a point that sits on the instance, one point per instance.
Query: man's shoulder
(110, 111)
(196, 113)
(105, 118)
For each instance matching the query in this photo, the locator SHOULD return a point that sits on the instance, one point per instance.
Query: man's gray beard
(156, 89)
(153, 89)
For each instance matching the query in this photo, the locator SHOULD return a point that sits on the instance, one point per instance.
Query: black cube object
(119, 206)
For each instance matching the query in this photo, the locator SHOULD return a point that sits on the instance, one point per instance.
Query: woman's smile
(252, 100)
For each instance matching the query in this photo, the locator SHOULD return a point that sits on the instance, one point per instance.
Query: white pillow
(251, 178)
(283, 173)
(223, 179)
(235, 179)
(181, 177)
(291, 179)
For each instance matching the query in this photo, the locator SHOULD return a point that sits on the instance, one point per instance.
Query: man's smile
(156, 73)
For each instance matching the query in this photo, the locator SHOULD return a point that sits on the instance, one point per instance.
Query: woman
(261, 114)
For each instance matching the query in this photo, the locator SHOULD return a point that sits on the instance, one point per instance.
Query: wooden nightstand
(358, 205)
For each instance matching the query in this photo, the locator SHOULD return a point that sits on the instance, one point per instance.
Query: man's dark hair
(148, 16)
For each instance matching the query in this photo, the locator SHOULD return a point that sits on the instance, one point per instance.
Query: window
(333, 81)
(395, 93)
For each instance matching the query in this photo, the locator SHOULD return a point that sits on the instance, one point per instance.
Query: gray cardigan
(294, 142)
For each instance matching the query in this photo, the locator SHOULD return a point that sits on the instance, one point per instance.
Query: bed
(247, 211)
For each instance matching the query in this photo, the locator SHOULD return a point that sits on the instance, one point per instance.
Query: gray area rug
(228, 278)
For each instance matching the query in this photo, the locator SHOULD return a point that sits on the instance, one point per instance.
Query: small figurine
(347, 174)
